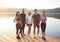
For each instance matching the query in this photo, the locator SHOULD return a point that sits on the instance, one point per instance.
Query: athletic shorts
(43, 27)
(36, 25)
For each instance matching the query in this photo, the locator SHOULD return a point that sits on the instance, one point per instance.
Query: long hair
(17, 13)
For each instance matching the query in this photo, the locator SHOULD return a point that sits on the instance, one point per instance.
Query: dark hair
(35, 9)
(43, 11)
(17, 12)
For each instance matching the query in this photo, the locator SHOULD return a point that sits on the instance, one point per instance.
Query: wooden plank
(7, 38)
(2, 40)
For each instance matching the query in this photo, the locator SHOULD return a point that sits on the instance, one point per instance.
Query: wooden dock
(12, 38)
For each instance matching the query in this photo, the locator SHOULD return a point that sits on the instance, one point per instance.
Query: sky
(30, 4)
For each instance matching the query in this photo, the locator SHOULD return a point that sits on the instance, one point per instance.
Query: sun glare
(31, 4)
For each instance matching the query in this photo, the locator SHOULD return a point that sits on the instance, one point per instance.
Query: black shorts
(43, 27)
(29, 24)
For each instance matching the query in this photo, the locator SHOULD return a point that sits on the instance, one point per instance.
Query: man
(36, 21)
(23, 18)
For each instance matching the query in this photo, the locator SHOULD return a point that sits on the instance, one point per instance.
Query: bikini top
(18, 18)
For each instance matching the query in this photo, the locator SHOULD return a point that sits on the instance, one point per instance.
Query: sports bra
(43, 18)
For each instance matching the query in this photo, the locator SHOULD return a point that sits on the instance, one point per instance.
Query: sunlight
(31, 4)
(6, 24)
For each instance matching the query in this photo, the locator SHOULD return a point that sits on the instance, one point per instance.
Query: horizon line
(28, 8)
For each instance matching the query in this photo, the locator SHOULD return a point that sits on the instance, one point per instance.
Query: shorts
(29, 24)
(18, 27)
(43, 27)
(36, 25)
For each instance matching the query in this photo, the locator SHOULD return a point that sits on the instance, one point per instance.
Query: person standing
(18, 22)
(36, 21)
(23, 19)
(43, 24)
(29, 23)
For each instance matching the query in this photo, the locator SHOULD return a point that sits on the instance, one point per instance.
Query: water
(53, 27)
(52, 30)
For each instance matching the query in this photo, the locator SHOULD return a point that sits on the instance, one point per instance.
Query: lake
(52, 29)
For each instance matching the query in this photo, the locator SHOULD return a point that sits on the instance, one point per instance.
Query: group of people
(30, 19)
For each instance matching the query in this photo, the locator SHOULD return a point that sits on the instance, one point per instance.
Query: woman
(17, 20)
(29, 22)
(43, 24)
